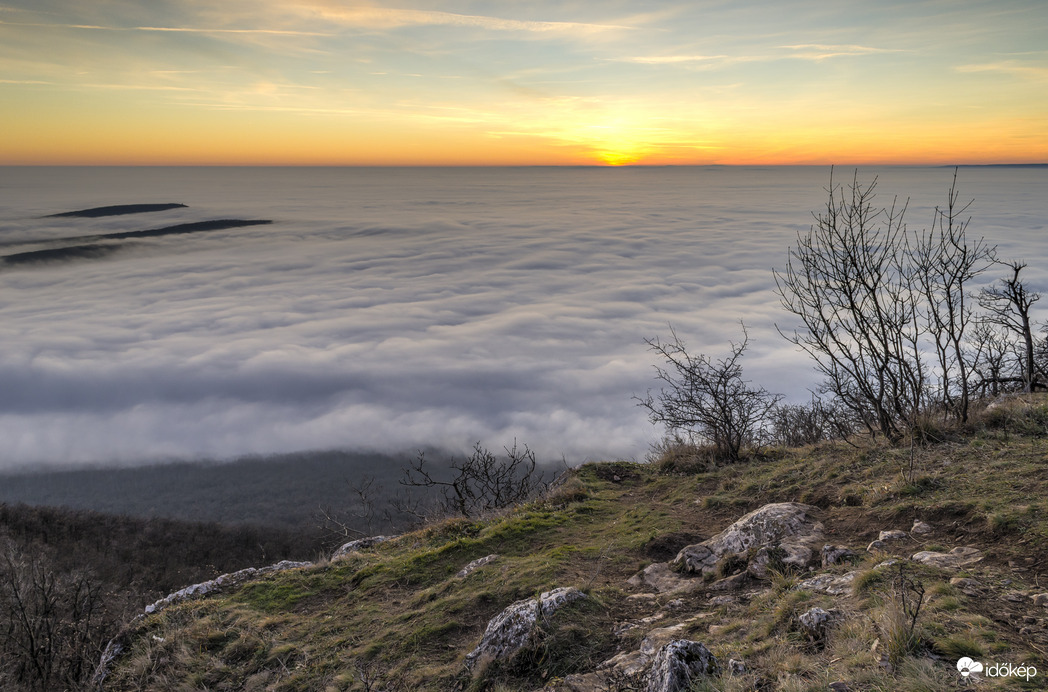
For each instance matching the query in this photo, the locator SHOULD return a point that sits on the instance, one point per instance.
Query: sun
(618, 157)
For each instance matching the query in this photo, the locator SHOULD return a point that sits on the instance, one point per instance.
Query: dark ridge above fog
(61, 254)
(192, 227)
(116, 210)
(89, 250)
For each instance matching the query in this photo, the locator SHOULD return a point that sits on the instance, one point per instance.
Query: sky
(326, 82)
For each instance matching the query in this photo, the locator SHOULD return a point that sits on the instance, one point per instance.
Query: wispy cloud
(674, 59)
(801, 51)
(1014, 68)
(391, 18)
(172, 29)
(823, 51)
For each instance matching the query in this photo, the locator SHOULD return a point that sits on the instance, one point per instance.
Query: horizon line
(1031, 164)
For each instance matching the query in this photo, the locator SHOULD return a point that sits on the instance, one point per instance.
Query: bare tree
(993, 359)
(794, 425)
(945, 262)
(848, 282)
(708, 398)
(482, 482)
(1008, 305)
(53, 625)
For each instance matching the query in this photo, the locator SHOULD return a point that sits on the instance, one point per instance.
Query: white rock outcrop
(512, 629)
(358, 545)
(787, 528)
(679, 664)
(473, 566)
(225, 580)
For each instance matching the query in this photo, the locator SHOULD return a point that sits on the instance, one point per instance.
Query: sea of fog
(392, 309)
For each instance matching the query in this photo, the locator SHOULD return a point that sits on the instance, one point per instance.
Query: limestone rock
(223, 581)
(479, 562)
(678, 664)
(778, 525)
(921, 528)
(832, 584)
(955, 559)
(735, 582)
(785, 556)
(661, 578)
(584, 682)
(835, 554)
(359, 544)
(816, 623)
(511, 629)
(893, 535)
(969, 587)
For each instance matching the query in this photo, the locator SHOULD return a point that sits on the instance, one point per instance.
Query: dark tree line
(69, 579)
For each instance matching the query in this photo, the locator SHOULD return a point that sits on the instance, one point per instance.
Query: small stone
(955, 559)
(675, 604)
(921, 528)
(875, 546)
(479, 562)
(832, 584)
(717, 630)
(965, 583)
(835, 554)
(1015, 597)
(840, 686)
(736, 667)
(732, 583)
(1041, 599)
(721, 600)
(893, 535)
(816, 622)
(1029, 619)
(642, 597)
(1026, 630)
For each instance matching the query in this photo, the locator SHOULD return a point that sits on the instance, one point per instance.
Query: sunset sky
(330, 82)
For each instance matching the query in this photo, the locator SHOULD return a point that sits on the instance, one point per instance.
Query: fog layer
(391, 309)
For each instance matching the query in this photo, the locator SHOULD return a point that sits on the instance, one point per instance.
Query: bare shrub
(480, 483)
(796, 425)
(709, 398)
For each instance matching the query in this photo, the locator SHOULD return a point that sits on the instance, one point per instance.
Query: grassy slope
(397, 615)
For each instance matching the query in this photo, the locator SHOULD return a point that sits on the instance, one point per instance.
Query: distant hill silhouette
(88, 249)
(61, 254)
(116, 210)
